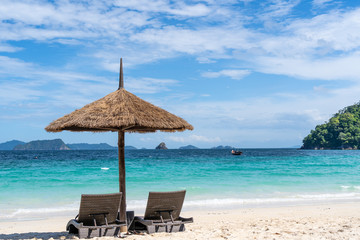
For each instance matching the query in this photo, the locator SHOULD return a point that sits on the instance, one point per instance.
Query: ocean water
(44, 183)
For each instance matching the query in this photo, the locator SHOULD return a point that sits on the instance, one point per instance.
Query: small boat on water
(235, 152)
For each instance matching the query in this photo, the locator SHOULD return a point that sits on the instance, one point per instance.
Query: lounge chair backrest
(163, 201)
(99, 203)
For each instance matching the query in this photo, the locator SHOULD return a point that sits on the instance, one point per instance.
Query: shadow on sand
(37, 235)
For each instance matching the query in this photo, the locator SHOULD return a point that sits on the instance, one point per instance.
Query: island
(162, 145)
(188, 147)
(9, 145)
(222, 147)
(56, 144)
(129, 148)
(87, 146)
(342, 131)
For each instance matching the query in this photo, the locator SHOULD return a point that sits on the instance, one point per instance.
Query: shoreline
(325, 221)
(190, 205)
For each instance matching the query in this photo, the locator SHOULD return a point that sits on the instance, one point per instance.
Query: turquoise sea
(44, 183)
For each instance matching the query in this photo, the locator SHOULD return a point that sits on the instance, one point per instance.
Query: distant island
(87, 146)
(129, 148)
(188, 147)
(162, 145)
(10, 144)
(342, 131)
(56, 144)
(222, 147)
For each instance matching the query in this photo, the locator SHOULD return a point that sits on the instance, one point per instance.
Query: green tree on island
(341, 132)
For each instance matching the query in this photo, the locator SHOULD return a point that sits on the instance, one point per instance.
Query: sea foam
(199, 204)
(37, 213)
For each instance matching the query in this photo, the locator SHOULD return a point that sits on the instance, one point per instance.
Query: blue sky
(243, 73)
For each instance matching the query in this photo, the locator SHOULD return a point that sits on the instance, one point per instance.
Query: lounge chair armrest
(75, 223)
(96, 214)
(143, 221)
(186, 220)
(168, 211)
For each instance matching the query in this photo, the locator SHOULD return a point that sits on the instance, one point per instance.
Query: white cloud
(204, 60)
(14, 67)
(18, 92)
(9, 48)
(47, 21)
(194, 139)
(146, 139)
(321, 3)
(337, 68)
(336, 34)
(70, 23)
(279, 8)
(275, 117)
(177, 139)
(17, 68)
(340, 31)
(197, 41)
(325, 47)
(149, 85)
(68, 88)
(236, 74)
(134, 30)
(198, 138)
(316, 44)
(177, 8)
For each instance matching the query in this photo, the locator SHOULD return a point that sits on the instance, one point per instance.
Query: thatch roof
(119, 111)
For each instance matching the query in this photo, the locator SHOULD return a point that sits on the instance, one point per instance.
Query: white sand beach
(330, 221)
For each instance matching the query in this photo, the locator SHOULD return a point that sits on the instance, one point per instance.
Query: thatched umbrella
(121, 112)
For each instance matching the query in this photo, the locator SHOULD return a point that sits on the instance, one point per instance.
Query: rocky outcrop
(161, 146)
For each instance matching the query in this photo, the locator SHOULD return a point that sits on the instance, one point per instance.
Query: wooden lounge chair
(97, 216)
(162, 213)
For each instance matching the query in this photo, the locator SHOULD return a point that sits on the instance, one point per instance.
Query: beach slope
(333, 221)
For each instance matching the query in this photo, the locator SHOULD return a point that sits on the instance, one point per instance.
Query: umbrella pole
(122, 187)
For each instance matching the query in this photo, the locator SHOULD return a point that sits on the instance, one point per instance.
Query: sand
(331, 221)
